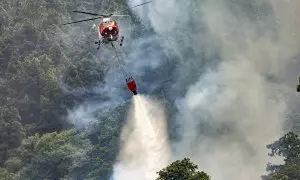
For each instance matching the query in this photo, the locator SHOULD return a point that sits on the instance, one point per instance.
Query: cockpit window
(108, 22)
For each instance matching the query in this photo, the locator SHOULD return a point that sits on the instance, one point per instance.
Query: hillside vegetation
(40, 61)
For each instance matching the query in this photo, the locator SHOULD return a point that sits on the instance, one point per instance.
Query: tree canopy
(183, 170)
(287, 147)
(53, 155)
(46, 70)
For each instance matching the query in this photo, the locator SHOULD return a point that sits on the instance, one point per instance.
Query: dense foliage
(52, 156)
(184, 170)
(287, 147)
(42, 64)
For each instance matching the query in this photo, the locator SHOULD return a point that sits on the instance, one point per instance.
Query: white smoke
(234, 110)
(145, 147)
(238, 60)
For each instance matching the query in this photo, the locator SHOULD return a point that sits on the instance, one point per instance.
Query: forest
(36, 65)
(47, 69)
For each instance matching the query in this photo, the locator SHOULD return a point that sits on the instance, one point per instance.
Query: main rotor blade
(83, 20)
(94, 14)
(134, 6)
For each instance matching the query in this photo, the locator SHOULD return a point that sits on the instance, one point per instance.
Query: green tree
(52, 156)
(85, 73)
(183, 170)
(13, 165)
(37, 93)
(106, 140)
(11, 131)
(287, 147)
(4, 175)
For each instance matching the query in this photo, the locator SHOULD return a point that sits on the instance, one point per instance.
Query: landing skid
(102, 42)
(99, 44)
(122, 38)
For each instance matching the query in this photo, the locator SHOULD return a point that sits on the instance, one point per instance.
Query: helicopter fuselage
(108, 30)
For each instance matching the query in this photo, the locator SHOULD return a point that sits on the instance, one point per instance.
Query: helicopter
(108, 28)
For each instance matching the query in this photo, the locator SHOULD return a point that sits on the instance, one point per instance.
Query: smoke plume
(145, 147)
(238, 60)
(230, 69)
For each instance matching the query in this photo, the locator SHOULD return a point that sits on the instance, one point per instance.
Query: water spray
(145, 148)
